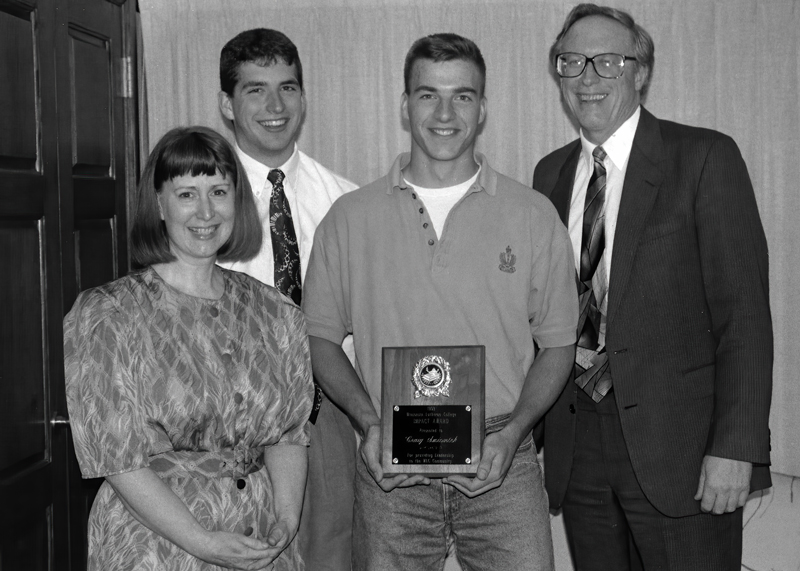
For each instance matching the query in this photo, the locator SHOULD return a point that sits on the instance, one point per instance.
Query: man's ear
(404, 105)
(642, 73)
(225, 105)
(482, 116)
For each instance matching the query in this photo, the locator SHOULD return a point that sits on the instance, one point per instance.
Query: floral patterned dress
(193, 388)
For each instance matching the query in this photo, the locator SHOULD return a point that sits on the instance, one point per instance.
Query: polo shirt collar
(487, 179)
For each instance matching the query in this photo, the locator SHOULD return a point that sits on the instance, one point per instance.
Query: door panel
(90, 83)
(94, 250)
(63, 182)
(17, 91)
(93, 164)
(30, 290)
(22, 408)
(97, 132)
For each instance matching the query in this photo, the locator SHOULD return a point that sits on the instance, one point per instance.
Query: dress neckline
(156, 277)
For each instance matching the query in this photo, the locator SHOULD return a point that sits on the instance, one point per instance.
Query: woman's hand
(237, 551)
(156, 506)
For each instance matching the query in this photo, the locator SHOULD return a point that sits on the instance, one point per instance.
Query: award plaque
(432, 410)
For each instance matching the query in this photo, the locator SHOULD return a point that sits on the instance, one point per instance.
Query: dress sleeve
(102, 396)
(295, 360)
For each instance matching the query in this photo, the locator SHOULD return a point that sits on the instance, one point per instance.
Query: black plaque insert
(434, 434)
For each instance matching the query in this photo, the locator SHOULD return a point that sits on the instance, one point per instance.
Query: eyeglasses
(607, 66)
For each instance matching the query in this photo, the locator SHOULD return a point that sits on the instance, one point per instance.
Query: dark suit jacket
(689, 333)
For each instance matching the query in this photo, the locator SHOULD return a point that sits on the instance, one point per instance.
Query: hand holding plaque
(432, 411)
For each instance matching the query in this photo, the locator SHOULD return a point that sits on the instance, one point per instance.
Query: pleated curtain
(730, 65)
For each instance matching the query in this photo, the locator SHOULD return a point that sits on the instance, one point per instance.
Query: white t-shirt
(439, 201)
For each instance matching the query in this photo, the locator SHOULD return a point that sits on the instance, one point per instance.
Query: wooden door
(66, 118)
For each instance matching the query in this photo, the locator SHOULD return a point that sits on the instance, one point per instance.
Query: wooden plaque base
(430, 426)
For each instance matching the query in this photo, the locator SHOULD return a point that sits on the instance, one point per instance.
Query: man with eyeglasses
(663, 430)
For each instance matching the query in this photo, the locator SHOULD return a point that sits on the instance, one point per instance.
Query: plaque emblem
(431, 377)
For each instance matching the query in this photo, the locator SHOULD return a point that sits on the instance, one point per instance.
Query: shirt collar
(257, 171)
(487, 178)
(618, 146)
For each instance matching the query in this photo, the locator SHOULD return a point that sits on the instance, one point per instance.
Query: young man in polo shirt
(445, 251)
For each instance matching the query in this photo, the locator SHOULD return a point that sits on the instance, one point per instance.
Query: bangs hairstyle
(192, 151)
(440, 48)
(643, 48)
(260, 46)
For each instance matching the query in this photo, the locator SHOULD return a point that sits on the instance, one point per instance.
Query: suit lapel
(643, 180)
(562, 191)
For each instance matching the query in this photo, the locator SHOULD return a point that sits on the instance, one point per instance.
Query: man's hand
(724, 484)
(281, 533)
(371, 453)
(496, 455)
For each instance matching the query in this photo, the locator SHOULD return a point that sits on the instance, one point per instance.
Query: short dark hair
(644, 49)
(260, 46)
(192, 151)
(444, 47)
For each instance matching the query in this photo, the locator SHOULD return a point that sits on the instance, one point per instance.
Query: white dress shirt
(310, 189)
(618, 150)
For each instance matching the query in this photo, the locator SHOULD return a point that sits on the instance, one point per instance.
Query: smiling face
(198, 212)
(601, 105)
(267, 108)
(444, 108)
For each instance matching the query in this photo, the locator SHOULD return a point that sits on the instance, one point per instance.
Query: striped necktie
(591, 359)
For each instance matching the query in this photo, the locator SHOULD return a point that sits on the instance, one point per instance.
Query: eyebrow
(456, 90)
(226, 183)
(247, 84)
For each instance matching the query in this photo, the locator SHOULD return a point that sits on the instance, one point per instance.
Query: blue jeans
(409, 529)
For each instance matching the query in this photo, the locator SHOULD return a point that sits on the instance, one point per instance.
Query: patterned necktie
(284, 241)
(591, 359)
(286, 253)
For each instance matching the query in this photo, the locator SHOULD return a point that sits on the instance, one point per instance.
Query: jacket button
(572, 409)
(240, 483)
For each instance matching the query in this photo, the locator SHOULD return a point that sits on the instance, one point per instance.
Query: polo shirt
(501, 275)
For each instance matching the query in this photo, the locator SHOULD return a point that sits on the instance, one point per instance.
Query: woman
(189, 385)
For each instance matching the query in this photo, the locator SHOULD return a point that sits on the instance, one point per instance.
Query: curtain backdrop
(731, 65)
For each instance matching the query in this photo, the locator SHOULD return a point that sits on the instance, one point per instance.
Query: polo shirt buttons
(430, 242)
(421, 210)
(240, 483)
(425, 225)
(572, 408)
(414, 196)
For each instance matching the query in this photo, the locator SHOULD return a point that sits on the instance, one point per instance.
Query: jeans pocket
(525, 453)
